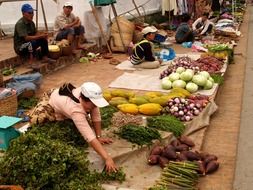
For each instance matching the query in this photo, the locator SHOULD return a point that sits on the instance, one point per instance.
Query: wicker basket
(54, 55)
(9, 105)
(66, 51)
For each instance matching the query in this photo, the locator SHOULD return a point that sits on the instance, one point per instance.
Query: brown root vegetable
(157, 150)
(153, 159)
(202, 155)
(169, 152)
(181, 157)
(212, 166)
(209, 158)
(163, 161)
(186, 140)
(181, 147)
(175, 142)
(191, 156)
(201, 169)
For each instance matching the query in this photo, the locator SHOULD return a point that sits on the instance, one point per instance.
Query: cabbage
(200, 80)
(211, 79)
(190, 70)
(192, 87)
(179, 84)
(166, 83)
(205, 74)
(208, 85)
(186, 76)
(180, 70)
(174, 76)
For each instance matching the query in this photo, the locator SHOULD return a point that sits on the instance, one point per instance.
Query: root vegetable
(163, 161)
(212, 166)
(209, 158)
(181, 157)
(175, 142)
(157, 150)
(153, 159)
(186, 140)
(169, 152)
(191, 155)
(182, 147)
(201, 169)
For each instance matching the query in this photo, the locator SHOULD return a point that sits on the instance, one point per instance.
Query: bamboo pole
(44, 16)
(136, 8)
(37, 14)
(100, 27)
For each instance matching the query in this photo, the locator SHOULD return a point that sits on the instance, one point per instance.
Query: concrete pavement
(244, 163)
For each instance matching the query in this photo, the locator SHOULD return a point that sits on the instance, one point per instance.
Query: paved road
(244, 163)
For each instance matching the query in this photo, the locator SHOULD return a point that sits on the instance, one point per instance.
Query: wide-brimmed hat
(92, 91)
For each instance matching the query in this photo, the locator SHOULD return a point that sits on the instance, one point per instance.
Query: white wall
(10, 12)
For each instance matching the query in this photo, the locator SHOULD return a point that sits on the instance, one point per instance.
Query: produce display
(139, 135)
(205, 63)
(166, 123)
(52, 156)
(188, 79)
(186, 108)
(106, 116)
(8, 71)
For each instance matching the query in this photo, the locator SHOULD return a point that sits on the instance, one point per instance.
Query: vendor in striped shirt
(143, 54)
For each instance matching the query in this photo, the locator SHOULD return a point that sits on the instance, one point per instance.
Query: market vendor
(184, 32)
(28, 42)
(142, 53)
(202, 26)
(68, 26)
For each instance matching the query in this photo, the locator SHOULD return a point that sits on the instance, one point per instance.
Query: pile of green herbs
(27, 103)
(52, 157)
(139, 135)
(218, 78)
(106, 115)
(167, 123)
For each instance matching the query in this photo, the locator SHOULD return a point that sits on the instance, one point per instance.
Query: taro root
(163, 161)
(153, 159)
(191, 156)
(201, 166)
(212, 166)
(175, 142)
(157, 150)
(181, 147)
(169, 152)
(186, 140)
(202, 155)
(209, 158)
(181, 157)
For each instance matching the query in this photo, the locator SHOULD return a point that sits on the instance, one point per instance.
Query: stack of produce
(180, 150)
(149, 103)
(186, 108)
(166, 123)
(139, 135)
(178, 175)
(188, 79)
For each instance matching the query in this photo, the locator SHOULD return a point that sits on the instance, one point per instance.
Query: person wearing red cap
(68, 26)
(76, 104)
(27, 40)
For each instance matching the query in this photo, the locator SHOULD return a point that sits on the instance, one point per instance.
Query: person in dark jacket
(143, 54)
(184, 32)
(27, 40)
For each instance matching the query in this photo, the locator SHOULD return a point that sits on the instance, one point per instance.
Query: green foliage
(27, 103)
(218, 78)
(166, 123)
(106, 115)
(51, 157)
(138, 134)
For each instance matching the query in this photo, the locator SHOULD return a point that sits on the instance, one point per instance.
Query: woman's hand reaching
(105, 140)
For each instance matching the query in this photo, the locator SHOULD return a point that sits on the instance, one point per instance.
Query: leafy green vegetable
(166, 123)
(106, 115)
(218, 78)
(51, 157)
(27, 103)
(138, 134)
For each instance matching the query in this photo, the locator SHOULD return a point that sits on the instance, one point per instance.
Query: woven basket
(9, 105)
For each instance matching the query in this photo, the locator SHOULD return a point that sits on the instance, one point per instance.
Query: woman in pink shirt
(76, 103)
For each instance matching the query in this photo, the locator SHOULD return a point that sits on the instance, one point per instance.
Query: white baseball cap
(148, 29)
(68, 4)
(92, 91)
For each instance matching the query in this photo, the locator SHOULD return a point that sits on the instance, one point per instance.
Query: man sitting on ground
(202, 26)
(143, 55)
(26, 38)
(184, 32)
(68, 26)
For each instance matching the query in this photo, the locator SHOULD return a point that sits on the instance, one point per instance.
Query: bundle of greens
(166, 123)
(46, 157)
(138, 134)
(218, 78)
(27, 103)
(106, 115)
(177, 176)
